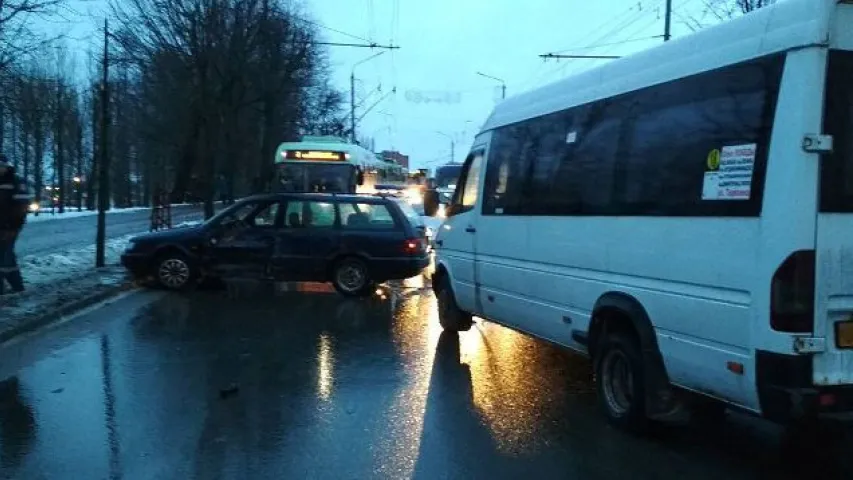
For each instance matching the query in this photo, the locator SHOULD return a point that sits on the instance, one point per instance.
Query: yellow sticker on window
(714, 160)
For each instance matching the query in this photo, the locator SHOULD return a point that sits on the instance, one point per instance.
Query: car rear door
(368, 229)
(834, 247)
(307, 242)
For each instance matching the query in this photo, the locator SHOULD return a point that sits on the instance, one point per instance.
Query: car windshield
(447, 176)
(315, 177)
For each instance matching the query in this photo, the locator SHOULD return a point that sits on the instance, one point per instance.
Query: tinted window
(837, 169)
(364, 216)
(696, 146)
(506, 171)
(310, 214)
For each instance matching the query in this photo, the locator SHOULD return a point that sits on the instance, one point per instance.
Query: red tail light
(792, 294)
(414, 246)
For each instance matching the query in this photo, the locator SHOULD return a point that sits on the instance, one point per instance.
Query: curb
(43, 319)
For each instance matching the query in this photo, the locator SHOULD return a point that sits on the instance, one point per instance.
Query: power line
(320, 25)
(357, 45)
(590, 47)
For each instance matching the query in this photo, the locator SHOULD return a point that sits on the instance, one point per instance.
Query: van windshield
(837, 168)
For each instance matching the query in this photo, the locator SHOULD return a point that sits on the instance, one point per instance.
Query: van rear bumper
(786, 392)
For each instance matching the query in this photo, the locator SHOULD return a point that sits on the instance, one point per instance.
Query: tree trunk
(60, 152)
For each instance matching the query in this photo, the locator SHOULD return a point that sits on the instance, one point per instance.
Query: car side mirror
(360, 178)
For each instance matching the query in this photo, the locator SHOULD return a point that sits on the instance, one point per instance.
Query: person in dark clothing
(14, 204)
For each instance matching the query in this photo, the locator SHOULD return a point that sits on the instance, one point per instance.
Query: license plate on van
(844, 334)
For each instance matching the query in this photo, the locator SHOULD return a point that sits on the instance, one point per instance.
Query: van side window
(648, 152)
(468, 189)
(836, 172)
(472, 182)
(506, 171)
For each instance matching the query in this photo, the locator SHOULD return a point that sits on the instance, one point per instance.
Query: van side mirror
(360, 178)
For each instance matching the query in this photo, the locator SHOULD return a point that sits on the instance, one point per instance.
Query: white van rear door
(834, 246)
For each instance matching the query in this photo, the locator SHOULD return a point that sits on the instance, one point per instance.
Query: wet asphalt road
(262, 383)
(63, 233)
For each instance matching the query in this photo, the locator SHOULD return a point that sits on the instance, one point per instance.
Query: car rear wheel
(351, 278)
(175, 271)
(450, 316)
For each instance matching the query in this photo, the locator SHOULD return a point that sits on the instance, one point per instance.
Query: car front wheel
(175, 271)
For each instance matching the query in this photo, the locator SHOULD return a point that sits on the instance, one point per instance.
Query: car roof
(320, 197)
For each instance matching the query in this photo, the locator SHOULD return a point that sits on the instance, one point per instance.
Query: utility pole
(352, 135)
(503, 83)
(60, 153)
(667, 29)
(352, 106)
(103, 174)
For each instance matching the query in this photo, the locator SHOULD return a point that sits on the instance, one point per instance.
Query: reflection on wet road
(297, 382)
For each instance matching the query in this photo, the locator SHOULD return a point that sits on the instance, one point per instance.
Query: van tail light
(792, 294)
(414, 246)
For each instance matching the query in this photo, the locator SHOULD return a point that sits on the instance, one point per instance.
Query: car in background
(353, 241)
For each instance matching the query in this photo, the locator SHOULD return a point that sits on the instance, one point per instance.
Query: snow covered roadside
(42, 269)
(60, 283)
(46, 215)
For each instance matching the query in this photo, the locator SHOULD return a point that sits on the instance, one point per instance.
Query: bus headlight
(35, 207)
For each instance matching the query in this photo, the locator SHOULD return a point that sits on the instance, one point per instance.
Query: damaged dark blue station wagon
(353, 241)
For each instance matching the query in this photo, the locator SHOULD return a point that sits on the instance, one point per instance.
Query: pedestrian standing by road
(14, 203)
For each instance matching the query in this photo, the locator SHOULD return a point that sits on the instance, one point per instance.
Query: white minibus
(684, 216)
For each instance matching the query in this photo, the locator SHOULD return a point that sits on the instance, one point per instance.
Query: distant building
(396, 157)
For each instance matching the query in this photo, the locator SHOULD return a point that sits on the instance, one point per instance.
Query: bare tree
(212, 87)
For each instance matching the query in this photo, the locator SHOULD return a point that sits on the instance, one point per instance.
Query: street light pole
(452, 145)
(352, 94)
(503, 84)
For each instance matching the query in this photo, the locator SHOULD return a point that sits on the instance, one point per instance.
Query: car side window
(267, 215)
(366, 216)
(309, 214)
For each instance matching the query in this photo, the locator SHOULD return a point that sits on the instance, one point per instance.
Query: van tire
(450, 316)
(621, 393)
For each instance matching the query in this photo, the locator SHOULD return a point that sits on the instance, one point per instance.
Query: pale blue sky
(443, 44)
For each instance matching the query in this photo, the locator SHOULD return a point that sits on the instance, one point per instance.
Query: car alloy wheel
(174, 273)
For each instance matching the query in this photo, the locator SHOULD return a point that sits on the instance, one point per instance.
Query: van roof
(779, 27)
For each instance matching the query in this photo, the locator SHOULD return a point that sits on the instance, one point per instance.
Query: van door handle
(470, 229)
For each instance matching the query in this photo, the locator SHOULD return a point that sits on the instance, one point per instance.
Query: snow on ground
(71, 212)
(42, 269)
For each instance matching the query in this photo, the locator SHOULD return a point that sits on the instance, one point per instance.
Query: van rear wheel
(619, 379)
(450, 316)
